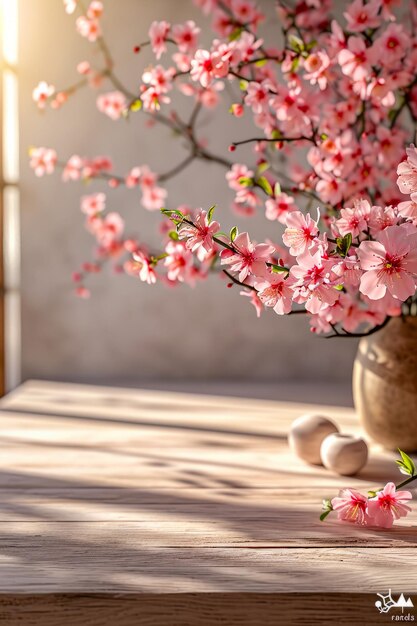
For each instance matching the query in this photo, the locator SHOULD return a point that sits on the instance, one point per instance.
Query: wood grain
(145, 493)
(204, 609)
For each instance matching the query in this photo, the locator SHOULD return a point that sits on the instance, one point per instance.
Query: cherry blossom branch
(274, 140)
(177, 169)
(237, 282)
(345, 333)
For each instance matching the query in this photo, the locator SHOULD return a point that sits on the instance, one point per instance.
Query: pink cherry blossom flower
(279, 207)
(82, 292)
(73, 168)
(206, 66)
(84, 68)
(361, 16)
(95, 10)
(292, 109)
(200, 234)
(88, 28)
(380, 218)
(407, 172)
(377, 310)
(186, 36)
(183, 63)
(152, 99)
(348, 270)
(93, 204)
(408, 209)
(316, 66)
(300, 233)
(335, 40)
(330, 190)
(42, 160)
(391, 46)
(113, 104)
(209, 97)
(178, 261)
(387, 5)
(153, 198)
(388, 505)
(158, 33)
(354, 60)
(247, 196)
(144, 268)
(70, 6)
(237, 172)
(244, 11)
(351, 315)
(247, 45)
(248, 258)
(389, 264)
(351, 506)
(274, 291)
(314, 283)
(354, 220)
(207, 6)
(42, 93)
(133, 178)
(254, 300)
(257, 96)
(391, 142)
(147, 177)
(159, 77)
(108, 229)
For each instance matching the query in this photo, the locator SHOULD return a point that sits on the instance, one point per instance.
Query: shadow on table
(109, 555)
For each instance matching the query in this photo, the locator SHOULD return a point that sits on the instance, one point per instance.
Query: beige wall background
(130, 333)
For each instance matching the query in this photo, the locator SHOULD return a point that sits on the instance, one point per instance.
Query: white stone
(344, 454)
(306, 435)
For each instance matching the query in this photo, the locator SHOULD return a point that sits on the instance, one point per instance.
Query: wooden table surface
(146, 493)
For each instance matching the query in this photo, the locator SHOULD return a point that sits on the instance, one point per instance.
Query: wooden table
(146, 507)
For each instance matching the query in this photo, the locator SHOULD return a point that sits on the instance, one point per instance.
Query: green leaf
(236, 33)
(261, 62)
(243, 84)
(406, 464)
(245, 181)
(343, 244)
(172, 212)
(311, 45)
(173, 235)
(210, 213)
(339, 287)
(276, 134)
(277, 190)
(296, 43)
(278, 269)
(265, 185)
(233, 233)
(324, 515)
(372, 494)
(136, 105)
(263, 167)
(295, 64)
(156, 259)
(327, 508)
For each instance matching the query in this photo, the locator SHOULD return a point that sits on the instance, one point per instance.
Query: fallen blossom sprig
(380, 508)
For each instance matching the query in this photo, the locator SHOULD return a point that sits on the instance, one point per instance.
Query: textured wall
(127, 331)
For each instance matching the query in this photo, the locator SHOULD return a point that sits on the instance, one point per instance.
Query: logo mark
(386, 603)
